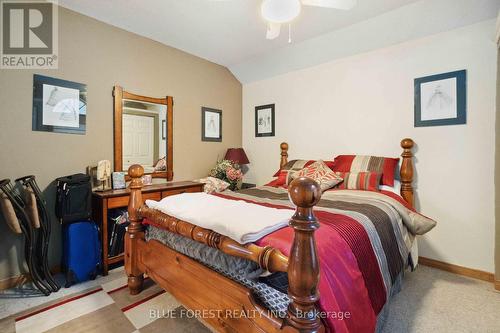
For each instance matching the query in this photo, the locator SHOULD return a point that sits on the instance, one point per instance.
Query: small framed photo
(211, 125)
(118, 180)
(441, 99)
(264, 120)
(147, 180)
(58, 105)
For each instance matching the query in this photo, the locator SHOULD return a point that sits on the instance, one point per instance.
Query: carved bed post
(284, 154)
(135, 230)
(303, 264)
(406, 171)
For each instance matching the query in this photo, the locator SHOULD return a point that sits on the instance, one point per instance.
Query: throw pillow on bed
(297, 165)
(213, 184)
(368, 181)
(321, 173)
(285, 177)
(359, 163)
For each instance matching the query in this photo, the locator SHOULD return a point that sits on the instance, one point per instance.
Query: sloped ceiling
(232, 33)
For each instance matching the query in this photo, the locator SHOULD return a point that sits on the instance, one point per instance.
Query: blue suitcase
(81, 251)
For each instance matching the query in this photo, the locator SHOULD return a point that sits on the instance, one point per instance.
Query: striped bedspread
(364, 245)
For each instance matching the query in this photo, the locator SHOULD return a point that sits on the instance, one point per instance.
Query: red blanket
(363, 246)
(352, 289)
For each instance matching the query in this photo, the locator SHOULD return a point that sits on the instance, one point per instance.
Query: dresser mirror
(143, 133)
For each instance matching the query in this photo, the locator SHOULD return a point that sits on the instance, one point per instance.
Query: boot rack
(25, 212)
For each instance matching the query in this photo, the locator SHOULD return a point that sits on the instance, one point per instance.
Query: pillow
(368, 181)
(359, 163)
(394, 189)
(321, 173)
(213, 184)
(161, 164)
(284, 178)
(296, 165)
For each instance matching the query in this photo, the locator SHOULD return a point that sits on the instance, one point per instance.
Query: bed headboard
(406, 171)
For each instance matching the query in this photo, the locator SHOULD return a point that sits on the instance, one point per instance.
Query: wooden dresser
(104, 201)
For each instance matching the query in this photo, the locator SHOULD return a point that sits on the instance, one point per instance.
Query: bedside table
(244, 186)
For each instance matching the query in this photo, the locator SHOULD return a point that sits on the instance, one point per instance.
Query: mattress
(242, 271)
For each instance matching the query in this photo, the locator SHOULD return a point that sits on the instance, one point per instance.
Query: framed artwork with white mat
(441, 99)
(58, 105)
(264, 120)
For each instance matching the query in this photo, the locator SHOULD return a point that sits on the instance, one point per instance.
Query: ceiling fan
(278, 12)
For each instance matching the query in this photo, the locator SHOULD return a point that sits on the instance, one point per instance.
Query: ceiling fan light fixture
(280, 11)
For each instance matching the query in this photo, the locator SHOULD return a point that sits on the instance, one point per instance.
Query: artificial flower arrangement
(228, 171)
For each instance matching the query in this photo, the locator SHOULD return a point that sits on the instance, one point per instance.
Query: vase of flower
(228, 171)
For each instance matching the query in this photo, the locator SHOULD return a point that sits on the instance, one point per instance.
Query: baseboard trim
(460, 270)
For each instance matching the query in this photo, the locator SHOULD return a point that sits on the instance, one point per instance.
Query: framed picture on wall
(211, 125)
(264, 120)
(58, 105)
(441, 99)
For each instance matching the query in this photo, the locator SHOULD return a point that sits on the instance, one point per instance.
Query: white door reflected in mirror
(138, 141)
(144, 139)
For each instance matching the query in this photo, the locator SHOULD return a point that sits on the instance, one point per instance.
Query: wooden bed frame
(221, 303)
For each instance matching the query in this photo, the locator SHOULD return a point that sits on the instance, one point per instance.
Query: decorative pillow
(368, 181)
(321, 173)
(297, 165)
(284, 178)
(161, 164)
(213, 184)
(359, 163)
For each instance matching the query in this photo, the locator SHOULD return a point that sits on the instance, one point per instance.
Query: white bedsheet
(239, 220)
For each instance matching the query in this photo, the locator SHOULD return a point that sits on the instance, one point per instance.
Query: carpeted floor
(435, 301)
(431, 301)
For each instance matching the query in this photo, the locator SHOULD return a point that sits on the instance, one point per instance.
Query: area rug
(107, 308)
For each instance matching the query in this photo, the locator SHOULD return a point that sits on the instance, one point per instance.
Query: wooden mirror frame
(118, 96)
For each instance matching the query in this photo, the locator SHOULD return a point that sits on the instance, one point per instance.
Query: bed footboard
(302, 265)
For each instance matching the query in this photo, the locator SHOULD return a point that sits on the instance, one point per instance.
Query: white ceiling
(410, 22)
(232, 33)
(225, 32)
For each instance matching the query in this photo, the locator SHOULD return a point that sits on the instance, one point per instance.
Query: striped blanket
(364, 245)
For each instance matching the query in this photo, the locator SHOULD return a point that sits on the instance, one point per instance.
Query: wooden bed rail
(267, 257)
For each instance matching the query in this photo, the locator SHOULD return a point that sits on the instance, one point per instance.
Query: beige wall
(497, 171)
(101, 56)
(364, 104)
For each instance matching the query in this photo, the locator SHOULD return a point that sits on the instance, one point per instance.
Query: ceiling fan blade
(273, 30)
(337, 4)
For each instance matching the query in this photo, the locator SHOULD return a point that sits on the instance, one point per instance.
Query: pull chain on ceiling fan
(278, 12)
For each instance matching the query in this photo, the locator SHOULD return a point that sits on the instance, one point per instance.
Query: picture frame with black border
(265, 120)
(441, 99)
(59, 106)
(211, 125)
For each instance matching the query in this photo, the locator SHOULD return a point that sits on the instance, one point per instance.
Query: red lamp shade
(237, 155)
